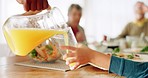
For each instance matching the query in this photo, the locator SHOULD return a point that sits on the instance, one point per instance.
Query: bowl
(45, 52)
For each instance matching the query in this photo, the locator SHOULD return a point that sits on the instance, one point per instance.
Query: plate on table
(133, 56)
(136, 50)
(130, 50)
(57, 65)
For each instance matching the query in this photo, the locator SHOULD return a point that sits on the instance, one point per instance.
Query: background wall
(100, 17)
(108, 17)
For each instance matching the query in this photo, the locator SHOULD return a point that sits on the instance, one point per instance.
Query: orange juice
(22, 41)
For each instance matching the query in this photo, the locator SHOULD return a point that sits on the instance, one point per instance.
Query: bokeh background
(100, 17)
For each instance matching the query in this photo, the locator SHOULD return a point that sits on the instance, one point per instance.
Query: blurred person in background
(139, 25)
(74, 16)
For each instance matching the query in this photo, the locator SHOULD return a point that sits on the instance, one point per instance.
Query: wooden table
(9, 70)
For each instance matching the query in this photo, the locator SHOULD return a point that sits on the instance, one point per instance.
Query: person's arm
(80, 36)
(34, 5)
(83, 55)
(145, 8)
(85, 40)
(125, 32)
(128, 68)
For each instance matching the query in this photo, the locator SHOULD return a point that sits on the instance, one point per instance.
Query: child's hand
(78, 56)
(34, 5)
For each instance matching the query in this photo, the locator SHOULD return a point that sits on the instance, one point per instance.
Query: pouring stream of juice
(23, 41)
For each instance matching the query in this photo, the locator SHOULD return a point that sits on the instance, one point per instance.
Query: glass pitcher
(38, 36)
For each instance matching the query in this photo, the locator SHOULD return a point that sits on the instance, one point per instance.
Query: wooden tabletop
(9, 70)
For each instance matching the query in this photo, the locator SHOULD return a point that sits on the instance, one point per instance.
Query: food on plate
(127, 55)
(130, 56)
(45, 53)
(116, 52)
(145, 49)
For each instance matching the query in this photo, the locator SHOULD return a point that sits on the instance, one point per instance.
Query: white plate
(135, 50)
(143, 58)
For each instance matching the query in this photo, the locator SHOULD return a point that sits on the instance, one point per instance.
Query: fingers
(77, 64)
(69, 48)
(26, 5)
(71, 57)
(73, 63)
(70, 60)
(145, 8)
(68, 55)
(45, 4)
(34, 5)
(39, 5)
